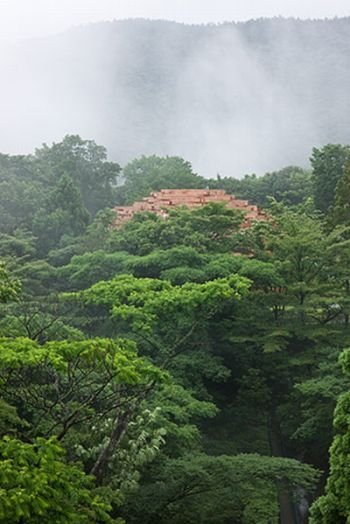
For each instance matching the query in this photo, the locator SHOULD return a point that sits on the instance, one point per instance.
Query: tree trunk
(284, 498)
(120, 426)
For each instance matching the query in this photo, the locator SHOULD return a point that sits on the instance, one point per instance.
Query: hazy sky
(27, 18)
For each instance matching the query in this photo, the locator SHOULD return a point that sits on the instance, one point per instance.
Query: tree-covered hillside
(172, 371)
(234, 98)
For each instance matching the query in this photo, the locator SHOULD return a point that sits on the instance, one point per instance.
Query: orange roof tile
(158, 201)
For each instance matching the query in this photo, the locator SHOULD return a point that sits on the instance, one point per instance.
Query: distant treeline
(53, 195)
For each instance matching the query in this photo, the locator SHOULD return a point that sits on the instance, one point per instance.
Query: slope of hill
(232, 98)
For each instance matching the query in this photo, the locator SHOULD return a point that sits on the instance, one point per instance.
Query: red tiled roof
(158, 202)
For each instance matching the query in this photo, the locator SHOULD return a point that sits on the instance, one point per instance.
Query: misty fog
(233, 98)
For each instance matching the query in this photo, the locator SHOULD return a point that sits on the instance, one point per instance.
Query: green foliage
(63, 214)
(178, 264)
(9, 286)
(90, 394)
(53, 193)
(308, 415)
(21, 245)
(37, 485)
(334, 506)
(216, 489)
(303, 255)
(290, 186)
(210, 228)
(145, 301)
(328, 166)
(58, 386)
(159, 261)
(341, 213)
(21, 192)
(87, 269)
(38, 277)
(87, 166)
(147, 174)
(169, 322)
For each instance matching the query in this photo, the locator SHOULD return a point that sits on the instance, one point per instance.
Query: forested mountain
(234, 98)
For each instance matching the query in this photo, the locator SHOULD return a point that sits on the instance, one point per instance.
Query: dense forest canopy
(234, 98)
(172, 371)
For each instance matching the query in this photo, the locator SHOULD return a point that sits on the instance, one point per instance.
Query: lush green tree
(209, 228)
(41, 318)
(62, 214)
(334, 506)
(36, 191)
(20, 245)
(308, 416)
(147, 174)
(38, 485)
(179, 264)
(218, 489)
(291, 185)
(166, 319)
(86, 164)
(9, 286)
(21, 192)
(303, 254)
(89, 268)
(341, 210)
(66, 388)
(328, 165)
(98, 232)
(295, 315)
(293, 287)
(101, 401)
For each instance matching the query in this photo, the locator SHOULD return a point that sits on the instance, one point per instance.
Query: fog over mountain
(231, 98)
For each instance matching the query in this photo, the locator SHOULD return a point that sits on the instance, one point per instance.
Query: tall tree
(146, 174)
(37, 485)
(9, 286)
(86, 164)
(63, 214)
(341, 211)
(291, 185)
(334, 506)
(328, 165)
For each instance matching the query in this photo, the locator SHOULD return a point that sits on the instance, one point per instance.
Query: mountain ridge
(233, 97)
